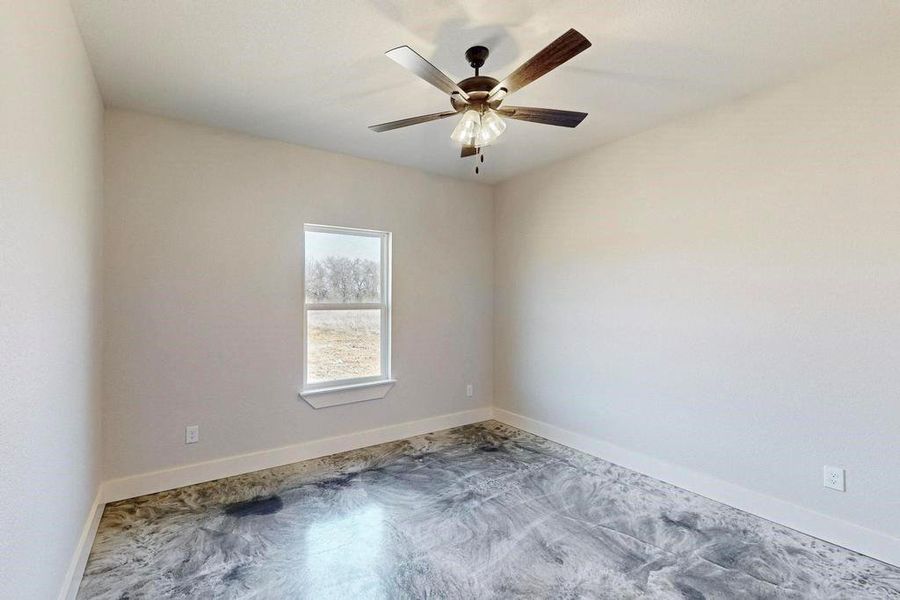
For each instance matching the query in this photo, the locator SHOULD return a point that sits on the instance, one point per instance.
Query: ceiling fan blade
(559, 51)
(412, 60)
(412, 121)
(545, 116)
(468, 151)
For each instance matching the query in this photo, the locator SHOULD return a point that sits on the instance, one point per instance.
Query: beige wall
(722, 293)
(50, 194)
(203, 290)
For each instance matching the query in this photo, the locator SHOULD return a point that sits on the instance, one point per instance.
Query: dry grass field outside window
(343, 344)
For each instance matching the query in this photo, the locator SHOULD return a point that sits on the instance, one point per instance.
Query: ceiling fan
(479, 99)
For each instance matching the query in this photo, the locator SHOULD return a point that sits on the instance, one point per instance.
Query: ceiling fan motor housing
(478, 88)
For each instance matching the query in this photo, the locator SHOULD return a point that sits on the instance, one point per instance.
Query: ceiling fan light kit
(478, 129)
(479, 98)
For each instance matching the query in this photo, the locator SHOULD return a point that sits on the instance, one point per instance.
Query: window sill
(347, 394)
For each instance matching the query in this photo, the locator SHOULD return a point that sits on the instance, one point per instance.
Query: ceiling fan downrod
(476, 56)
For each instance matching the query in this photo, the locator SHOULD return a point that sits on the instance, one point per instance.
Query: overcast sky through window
(320, 245)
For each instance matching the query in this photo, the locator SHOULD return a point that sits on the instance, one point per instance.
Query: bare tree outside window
(342, 279)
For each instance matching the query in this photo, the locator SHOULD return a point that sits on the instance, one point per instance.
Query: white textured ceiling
(313, 72)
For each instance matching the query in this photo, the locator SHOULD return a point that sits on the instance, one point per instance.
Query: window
(347, 315)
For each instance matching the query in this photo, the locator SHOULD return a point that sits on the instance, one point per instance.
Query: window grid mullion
(346, 306)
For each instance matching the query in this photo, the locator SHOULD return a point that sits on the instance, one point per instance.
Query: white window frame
(384, 306)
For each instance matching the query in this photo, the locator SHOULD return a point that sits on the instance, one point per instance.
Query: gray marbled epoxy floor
(483, 511)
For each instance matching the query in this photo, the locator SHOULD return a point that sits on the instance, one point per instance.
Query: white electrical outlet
(191, 434)
(470, 391)
(835, 478)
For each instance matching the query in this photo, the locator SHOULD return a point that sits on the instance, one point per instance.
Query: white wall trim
(157, 481)
(836, 531)
(347, 394)
(83, 549)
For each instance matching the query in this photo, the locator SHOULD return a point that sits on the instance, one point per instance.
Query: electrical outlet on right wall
(835, 478)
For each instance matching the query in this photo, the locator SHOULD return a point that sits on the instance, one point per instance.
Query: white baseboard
(855, 537)
(157, 481)
(82, 550)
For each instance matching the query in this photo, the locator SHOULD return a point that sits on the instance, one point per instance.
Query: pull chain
(480, 158)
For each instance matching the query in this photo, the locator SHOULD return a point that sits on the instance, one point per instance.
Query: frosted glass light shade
(468, 128)
(492, 125)
(478, 129)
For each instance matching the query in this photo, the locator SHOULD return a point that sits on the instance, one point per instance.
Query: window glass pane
(343, 344)
(342, 268)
